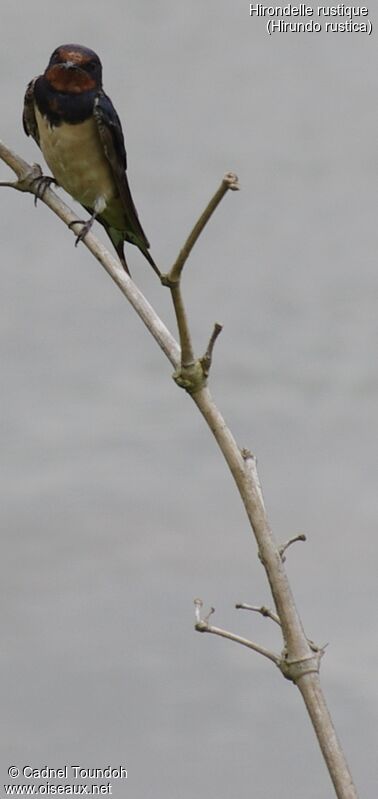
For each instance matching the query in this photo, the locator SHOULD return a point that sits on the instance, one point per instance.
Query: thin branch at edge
(229, 183)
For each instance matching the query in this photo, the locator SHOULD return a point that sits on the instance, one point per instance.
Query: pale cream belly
(77, 161)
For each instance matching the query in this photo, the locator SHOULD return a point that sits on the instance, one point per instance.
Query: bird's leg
(42, 182)
(86, 226)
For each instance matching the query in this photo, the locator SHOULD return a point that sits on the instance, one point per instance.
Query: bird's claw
(41, 183)
(84, 230)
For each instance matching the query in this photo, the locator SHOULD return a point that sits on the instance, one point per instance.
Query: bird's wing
(28, 118)
(110, 131)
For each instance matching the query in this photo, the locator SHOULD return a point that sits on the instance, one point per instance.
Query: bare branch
(203, 626)
(207, 358)
(229, 182)
(20, 167)
(262, 610)
(297, 648)
(187, 354)
(192, 373)
(300, 661)
(284, 547)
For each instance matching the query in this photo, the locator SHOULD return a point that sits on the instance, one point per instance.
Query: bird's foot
(84, 230)
(41, 184)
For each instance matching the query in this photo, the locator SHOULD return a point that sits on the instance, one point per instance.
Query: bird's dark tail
(118, 244)
(151, 262)
(121, 255)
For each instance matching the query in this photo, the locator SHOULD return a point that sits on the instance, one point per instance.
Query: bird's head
(73, 69)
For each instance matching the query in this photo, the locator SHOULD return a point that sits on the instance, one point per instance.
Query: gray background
(116, 508)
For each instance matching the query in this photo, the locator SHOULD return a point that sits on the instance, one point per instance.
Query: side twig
(284, 547)
(229, 183)
(262, 610)
(203, 626)
(193, 372)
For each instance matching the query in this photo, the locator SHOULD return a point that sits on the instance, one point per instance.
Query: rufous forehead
(71, 81)
(76, 56)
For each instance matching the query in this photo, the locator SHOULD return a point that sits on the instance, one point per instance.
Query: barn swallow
(79, 132)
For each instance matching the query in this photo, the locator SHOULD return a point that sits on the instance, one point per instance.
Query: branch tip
(198, 604)
(284, 547)
(207, 358)
(202, 625)
(231, 181)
